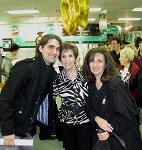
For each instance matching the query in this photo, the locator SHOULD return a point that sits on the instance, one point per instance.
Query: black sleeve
(16, 79)
(123, 110)
(139, 88)
(90, 111)
(90, 106)
(120, 124)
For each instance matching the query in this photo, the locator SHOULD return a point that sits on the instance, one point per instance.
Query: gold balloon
(74, 14)
(64, 10)
(84, 11)
(72, 26)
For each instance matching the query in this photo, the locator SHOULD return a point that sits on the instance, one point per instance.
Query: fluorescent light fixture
(94, 9)
(16, 12)
(39, 20)
(137, 9)
(129, 19)
(91, 19)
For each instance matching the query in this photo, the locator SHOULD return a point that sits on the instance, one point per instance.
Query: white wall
(24, 53)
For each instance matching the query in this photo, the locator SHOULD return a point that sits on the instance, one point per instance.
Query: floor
(48, 144)
(53, 144)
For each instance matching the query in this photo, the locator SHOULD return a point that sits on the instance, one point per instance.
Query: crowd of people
(100, 101)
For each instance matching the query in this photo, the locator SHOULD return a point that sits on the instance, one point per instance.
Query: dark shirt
(115, 57)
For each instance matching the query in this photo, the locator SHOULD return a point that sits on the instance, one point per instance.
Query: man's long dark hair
(44, 40)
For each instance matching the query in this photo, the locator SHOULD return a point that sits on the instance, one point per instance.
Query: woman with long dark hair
(109, 103)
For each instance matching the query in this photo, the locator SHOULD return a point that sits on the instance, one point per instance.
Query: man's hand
(9, 140)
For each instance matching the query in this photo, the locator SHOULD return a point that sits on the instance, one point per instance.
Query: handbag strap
(122, 142)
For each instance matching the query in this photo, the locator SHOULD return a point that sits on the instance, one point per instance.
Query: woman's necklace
(71, 75)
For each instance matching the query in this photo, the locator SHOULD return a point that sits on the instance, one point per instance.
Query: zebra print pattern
(73, 96)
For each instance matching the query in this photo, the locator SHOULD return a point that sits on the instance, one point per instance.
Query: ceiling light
(137, 9)
(94, 9)
(129, 19)
(15, 12)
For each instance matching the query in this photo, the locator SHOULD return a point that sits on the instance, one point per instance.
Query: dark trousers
(45, 132)
(77, 137)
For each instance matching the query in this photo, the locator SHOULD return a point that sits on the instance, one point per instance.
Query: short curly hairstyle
(128, 52)
(69, 46)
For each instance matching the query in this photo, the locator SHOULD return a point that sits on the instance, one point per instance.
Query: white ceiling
(51, 8)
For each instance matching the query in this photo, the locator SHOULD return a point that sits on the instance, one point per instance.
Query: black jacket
(22, 95)
(113, 103)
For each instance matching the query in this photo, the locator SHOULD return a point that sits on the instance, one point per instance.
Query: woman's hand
(103, 136)
(103, 124)
(9, 140)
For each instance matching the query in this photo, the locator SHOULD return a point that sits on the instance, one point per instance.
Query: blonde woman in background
(130, 72)
(132, 46)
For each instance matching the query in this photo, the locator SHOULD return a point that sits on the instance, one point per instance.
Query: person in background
(130, 73)
(72, 88)
(29, 82)
(109, 102)
(138, 59)
(109, 38)
(7, 61)
(137, 40)
(115, 53)
(124, 43)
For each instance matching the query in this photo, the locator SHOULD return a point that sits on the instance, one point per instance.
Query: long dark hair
(44, 40)
(110, 71)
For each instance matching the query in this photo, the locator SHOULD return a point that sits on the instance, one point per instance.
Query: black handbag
(104, 145)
